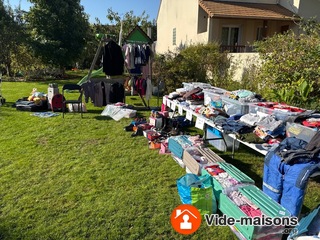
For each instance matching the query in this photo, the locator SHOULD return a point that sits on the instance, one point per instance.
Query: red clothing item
(250, 211)
(141, 86)
(214, 170)
(315, 124)
(279, 106)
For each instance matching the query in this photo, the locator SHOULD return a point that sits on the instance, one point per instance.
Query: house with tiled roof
(234, 24)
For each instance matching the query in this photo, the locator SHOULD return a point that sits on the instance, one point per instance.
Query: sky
(98, 8)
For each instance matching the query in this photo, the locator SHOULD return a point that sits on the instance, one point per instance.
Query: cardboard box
(196, 159)
(154, 145)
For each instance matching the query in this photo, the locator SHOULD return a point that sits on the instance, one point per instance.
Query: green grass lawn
(87, 178)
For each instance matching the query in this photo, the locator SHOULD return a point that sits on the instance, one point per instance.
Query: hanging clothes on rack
(104, 91)
(136, 56)
(140, 85)
(128, 52)
(113, 61)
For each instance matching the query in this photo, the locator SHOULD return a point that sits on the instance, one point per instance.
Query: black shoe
(139, 132)
(129, 128)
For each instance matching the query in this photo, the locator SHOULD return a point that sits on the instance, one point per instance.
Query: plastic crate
(233, 107)
(299, 131)
(219, 144)
(188, 86)
(195, 160)
(177, 144)
(233, 172)
(308, 227)
(268, 207)
(283, 115)
(261, 107)
(213, 95)
(191, 85)
(275, 109)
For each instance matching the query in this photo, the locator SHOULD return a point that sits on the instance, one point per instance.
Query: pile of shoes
(137, 126)
(135, 123)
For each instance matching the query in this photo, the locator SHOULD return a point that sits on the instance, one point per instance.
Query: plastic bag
(197, 191)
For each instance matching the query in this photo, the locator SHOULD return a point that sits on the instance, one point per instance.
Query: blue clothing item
(295, 183)
(279, 131)
(235, 117)
(286, 183)
(273, 177)
(232, 126)
(244, 93)
(289, 143)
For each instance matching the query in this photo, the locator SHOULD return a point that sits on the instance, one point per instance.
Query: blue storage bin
(219, 143)
(177, 144)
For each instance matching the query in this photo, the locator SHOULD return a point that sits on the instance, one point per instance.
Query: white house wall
(306, 8)
(183, 16)
(254, 1)
(292, 5)
(309, 9)
(241, 62)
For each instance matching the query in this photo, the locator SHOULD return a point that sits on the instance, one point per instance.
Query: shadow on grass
(8, 104)
(103, 118)
(96, 111)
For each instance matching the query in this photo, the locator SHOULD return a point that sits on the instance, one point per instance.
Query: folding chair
(71, 88)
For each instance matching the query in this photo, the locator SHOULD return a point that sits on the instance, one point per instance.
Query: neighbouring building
(235, 25)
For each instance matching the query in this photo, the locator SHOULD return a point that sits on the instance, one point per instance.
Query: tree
(129, 22)
(58, 30)
(10, 37)
(92, 43)
(290, 71)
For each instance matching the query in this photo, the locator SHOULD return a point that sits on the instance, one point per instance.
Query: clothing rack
(87, 82)
(138, 36)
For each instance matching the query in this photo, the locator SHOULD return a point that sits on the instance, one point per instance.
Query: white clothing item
(269, 123)
(250, 119)
(149, 89)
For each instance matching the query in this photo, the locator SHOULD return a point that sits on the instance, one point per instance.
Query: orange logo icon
(185, 219)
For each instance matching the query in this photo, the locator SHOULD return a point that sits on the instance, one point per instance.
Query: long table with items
(232, 140)
(201, 122)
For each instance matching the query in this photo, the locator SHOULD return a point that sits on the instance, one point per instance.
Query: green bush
(195, 63)
(290, 71)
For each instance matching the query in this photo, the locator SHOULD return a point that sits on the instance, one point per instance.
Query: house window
(284, 29)
(230, 36)
(259, 36)
(174, 36)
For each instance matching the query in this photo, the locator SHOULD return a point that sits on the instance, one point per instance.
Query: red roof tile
(246, 10)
